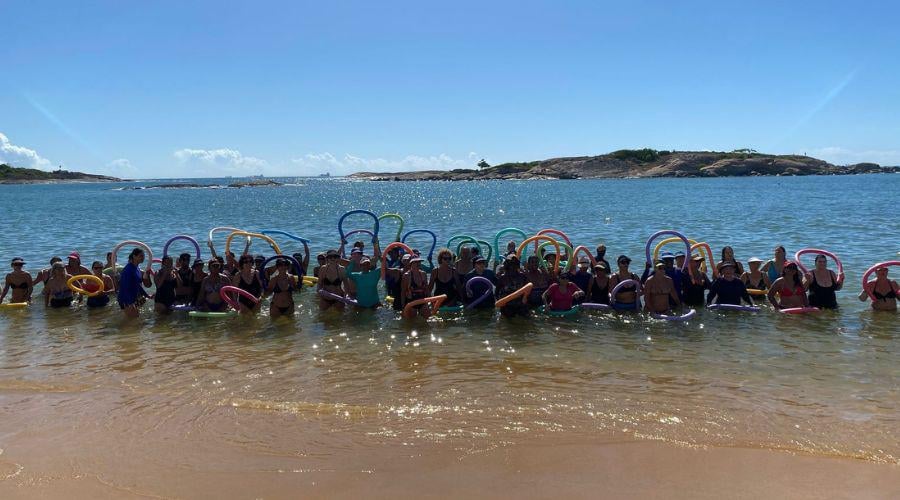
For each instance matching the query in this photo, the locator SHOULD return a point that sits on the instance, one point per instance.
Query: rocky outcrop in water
(644, 163)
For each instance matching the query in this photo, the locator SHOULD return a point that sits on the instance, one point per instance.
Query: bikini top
(277, 288)
(23, 285)
(892, 294)
(787, 291)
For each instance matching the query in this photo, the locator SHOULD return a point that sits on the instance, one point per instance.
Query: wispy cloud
(215, 162)
(120, 167)
(844, 156)
(20, 156)
(319, 163)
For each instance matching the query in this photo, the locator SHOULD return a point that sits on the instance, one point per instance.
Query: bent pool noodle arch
(423, 231)
(498, 254)
(209, 240)
(534, 239)
(333, 296)
(464, 237)
(356, 231)
(687, 246)
(87, 277)
(732, 307)
(624, 283)
(488, 293)
(227, 289)
(556, 232)
(435, 302)
(520, 293)
(184, 237)
(865, 278)
(263, 237)
(399, 227)
(469, 239)
(137, 244)
(285, 234)
(704, 246)
(352, 212)
(573, 257)
(387, 249)
(265, 279)
(684, 317)
(665, 242)
(837, 261)
(569, 251)
(490, 250)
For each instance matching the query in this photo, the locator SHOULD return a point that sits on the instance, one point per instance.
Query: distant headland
(15, 175)
(636, 163)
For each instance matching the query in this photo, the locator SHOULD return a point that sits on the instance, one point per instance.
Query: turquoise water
(248, 388)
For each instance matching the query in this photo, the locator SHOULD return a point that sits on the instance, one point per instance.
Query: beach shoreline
(543, 468)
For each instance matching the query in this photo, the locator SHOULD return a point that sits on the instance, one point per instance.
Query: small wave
(19, 385)
(302, 407)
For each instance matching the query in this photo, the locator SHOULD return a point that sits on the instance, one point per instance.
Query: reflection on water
(122, 396)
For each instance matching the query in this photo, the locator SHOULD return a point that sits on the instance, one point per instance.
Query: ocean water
(124, 397)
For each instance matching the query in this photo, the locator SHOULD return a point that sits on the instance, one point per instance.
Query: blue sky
(187, 89)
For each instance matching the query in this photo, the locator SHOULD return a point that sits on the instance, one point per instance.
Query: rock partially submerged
(191, 185)
(644, 163)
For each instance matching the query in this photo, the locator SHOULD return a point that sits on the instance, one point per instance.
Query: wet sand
(540, 469)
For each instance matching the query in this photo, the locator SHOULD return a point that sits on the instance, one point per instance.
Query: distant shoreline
(642, 163)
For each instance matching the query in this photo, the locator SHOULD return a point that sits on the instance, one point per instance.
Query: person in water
(885, 291)
(248, 280)
(728, 256)
(627, 297)
(320, 261)
(74, 268)
(822, 284)
(414, 286)
(365, 283)
(599, 286)
(659, 291)
(464, 263)
(478, 289)
(511, 280)
(109, 286)
(197, 277)
(774, 267)
(167, 282)
(539, 278)
(19, 281)
(788, 291)
(695, 283)
(561, 296)
(282, 286)
(131, 293)
(600, 256)
(754, 278)
(209, 297)
(333, 278)
(56, 291)
(728, 288)
(184, 292)
(44, 274)
(444, 279)
(581, 277)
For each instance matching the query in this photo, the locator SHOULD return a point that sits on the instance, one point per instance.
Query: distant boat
(326, 174)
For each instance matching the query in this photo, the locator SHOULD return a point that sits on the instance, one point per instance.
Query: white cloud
(319, 163)
(216, 162)
(120, 167)
(844, 156)
(18, 156)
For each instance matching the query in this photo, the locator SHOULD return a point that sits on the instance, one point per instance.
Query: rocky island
(636, 163)
(15, 175)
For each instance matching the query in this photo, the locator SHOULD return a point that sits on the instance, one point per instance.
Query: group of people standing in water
(469, 279)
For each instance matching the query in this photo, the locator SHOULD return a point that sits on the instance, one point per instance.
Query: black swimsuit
(447, 288)
(254, 288)
(165, 293)
(820, 296)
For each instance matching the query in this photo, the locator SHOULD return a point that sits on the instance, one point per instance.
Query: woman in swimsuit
(695, 283)
(788, 289)
(184, 291)
(444, 279)
(581, 277)
(166, 281)
(282, 288)
(56, 292)
(19, 281)
(822, 284)
(197, 277)
(464, 262)
(247, 279)
(728, 256)
(539, 278)
(755, 279)
(208, 299)
(109, 286)
(333, 278)
(599, 286)
(627, 297)
(885, 291)
(561, 296)
(415, 286)
(511, 280)
(44, 274)
(774, 267)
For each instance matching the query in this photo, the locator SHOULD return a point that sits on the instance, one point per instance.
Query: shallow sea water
(171, 394)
